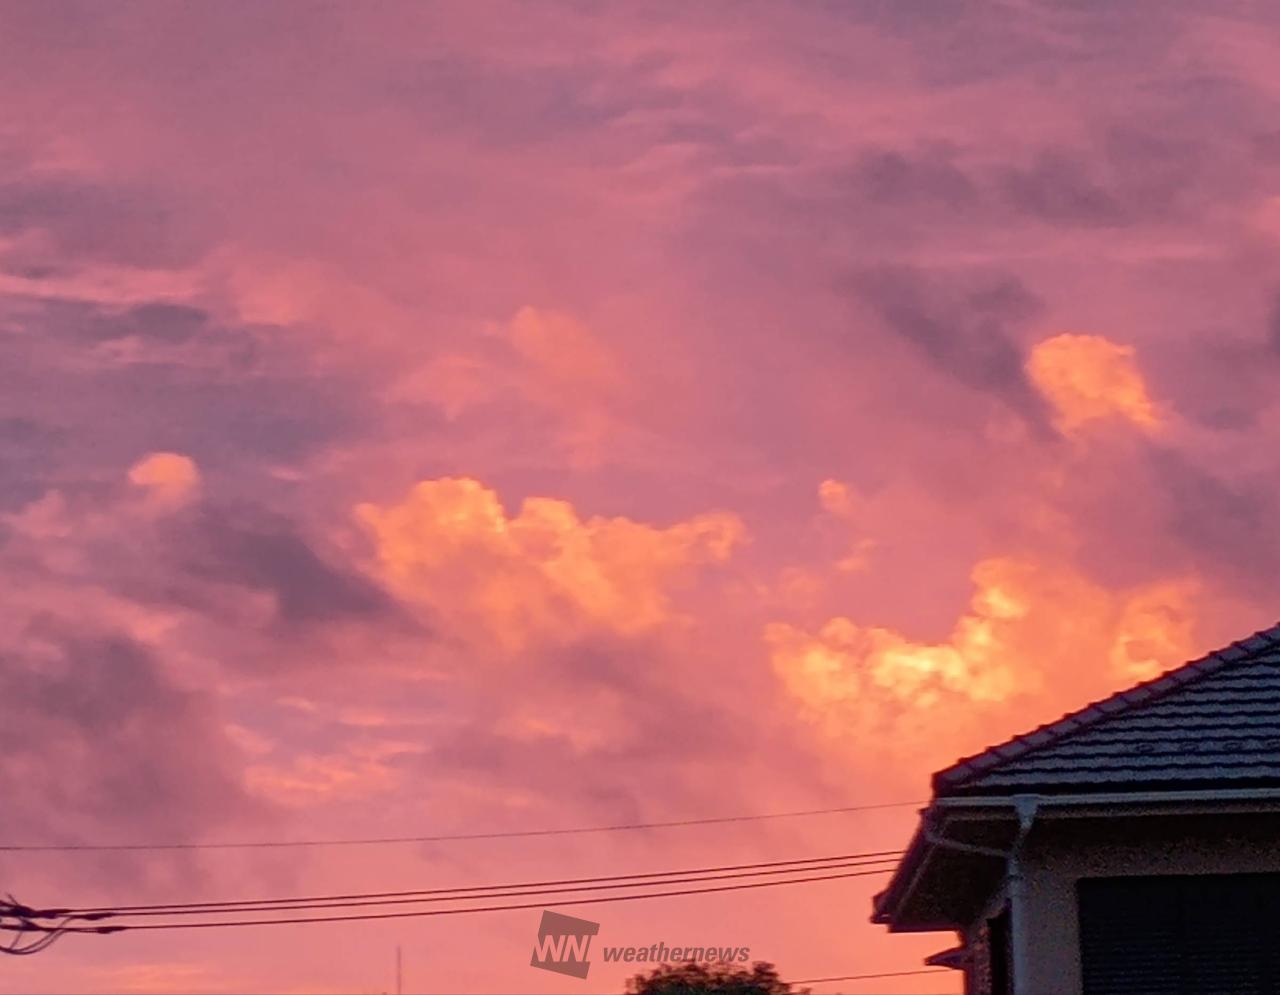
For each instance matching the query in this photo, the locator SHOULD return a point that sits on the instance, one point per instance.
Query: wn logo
(563, 943)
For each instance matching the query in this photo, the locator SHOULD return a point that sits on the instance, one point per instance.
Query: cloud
(636, 266)
(66, 219)
(161, 977)
(156, 322)
(550, 364)
(836, 498)
(914, 177)
(1059, 188)
(573, 372)
(451, 545)
(236, 399)
(1033, 638)
(224, 586)
(1088, 378)
(101, 742)
(840, 501)
(1225, 522)
(261, 551)
(27, 449)
(310, 779)
(566, 353)
(170, 478)
(964, 329)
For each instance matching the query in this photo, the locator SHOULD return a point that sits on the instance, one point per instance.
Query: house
(1131, 847)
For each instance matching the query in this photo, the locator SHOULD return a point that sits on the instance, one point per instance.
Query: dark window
(1185, 935)
(1000, 973)
(987, 972)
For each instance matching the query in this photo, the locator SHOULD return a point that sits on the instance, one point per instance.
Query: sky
(478, 417)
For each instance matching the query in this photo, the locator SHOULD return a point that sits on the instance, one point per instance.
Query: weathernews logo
(564, 942)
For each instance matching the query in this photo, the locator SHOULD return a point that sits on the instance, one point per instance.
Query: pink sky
(465, 417)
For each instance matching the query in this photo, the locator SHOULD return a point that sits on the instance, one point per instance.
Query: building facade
(1131, 847)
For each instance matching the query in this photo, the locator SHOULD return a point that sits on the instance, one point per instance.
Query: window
(988, 972)
(1180, 935)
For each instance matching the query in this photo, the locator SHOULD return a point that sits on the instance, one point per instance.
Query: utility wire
(446, 837)
(870, 977)
(798, 865)
(611, 886)
(24, 926)
(424, 913)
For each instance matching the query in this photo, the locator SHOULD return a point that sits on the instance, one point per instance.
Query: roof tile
(1215, 717)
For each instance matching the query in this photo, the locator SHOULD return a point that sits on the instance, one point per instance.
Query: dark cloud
(1156, 171)
(267, 552)
(929, 176)
(1231, 527)
(1266, 146)
(1144, 511)
(231, 397)
(963, 330)
(99, 743)
(212, 561)
(1132, 172)
(1063, 189)
(1221, 377)
(661, 713)
(1273, 323)
(83, 222)
(156, 321)
(157, 325)
(510, 105)
(28, 450)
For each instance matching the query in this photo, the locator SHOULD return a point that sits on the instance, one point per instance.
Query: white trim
(1214, 796)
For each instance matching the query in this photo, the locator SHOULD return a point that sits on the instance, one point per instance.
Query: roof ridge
(1052, 733)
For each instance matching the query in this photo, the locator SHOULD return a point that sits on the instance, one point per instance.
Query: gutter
(1026, 807)
(1019, 938)
(1042, 806)
(1210, 796)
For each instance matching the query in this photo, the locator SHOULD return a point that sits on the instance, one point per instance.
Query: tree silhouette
(712, 979)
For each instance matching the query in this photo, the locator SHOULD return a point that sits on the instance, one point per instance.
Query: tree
(712, 979)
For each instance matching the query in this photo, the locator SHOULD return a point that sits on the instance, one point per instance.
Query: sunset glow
(447, 419)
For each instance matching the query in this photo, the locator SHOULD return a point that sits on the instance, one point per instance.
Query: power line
(19, 949)
(870, 977)
(32, 937)
(517, 893)
(424, 913)
(868, 855)
(720, 872)
(447, 837)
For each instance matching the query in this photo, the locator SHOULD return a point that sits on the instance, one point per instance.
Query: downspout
(1016, 885)
(1019, 942)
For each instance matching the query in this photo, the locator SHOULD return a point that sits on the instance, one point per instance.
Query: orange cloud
(453, 382)
(835, 497)
(572, 371)
(545, 571)
(839, 500)
(169, 478)
(1035, 641)
(565, 352)
(1087, 378)
(158, 978)
(552, 362)
(266, 288)
(316, 779)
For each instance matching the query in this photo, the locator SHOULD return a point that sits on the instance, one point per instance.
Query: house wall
(1060, 852)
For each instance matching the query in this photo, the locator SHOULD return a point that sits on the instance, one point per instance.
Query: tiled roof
(1214, 721)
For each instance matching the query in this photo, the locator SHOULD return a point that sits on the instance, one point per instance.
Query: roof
(1212, 722)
